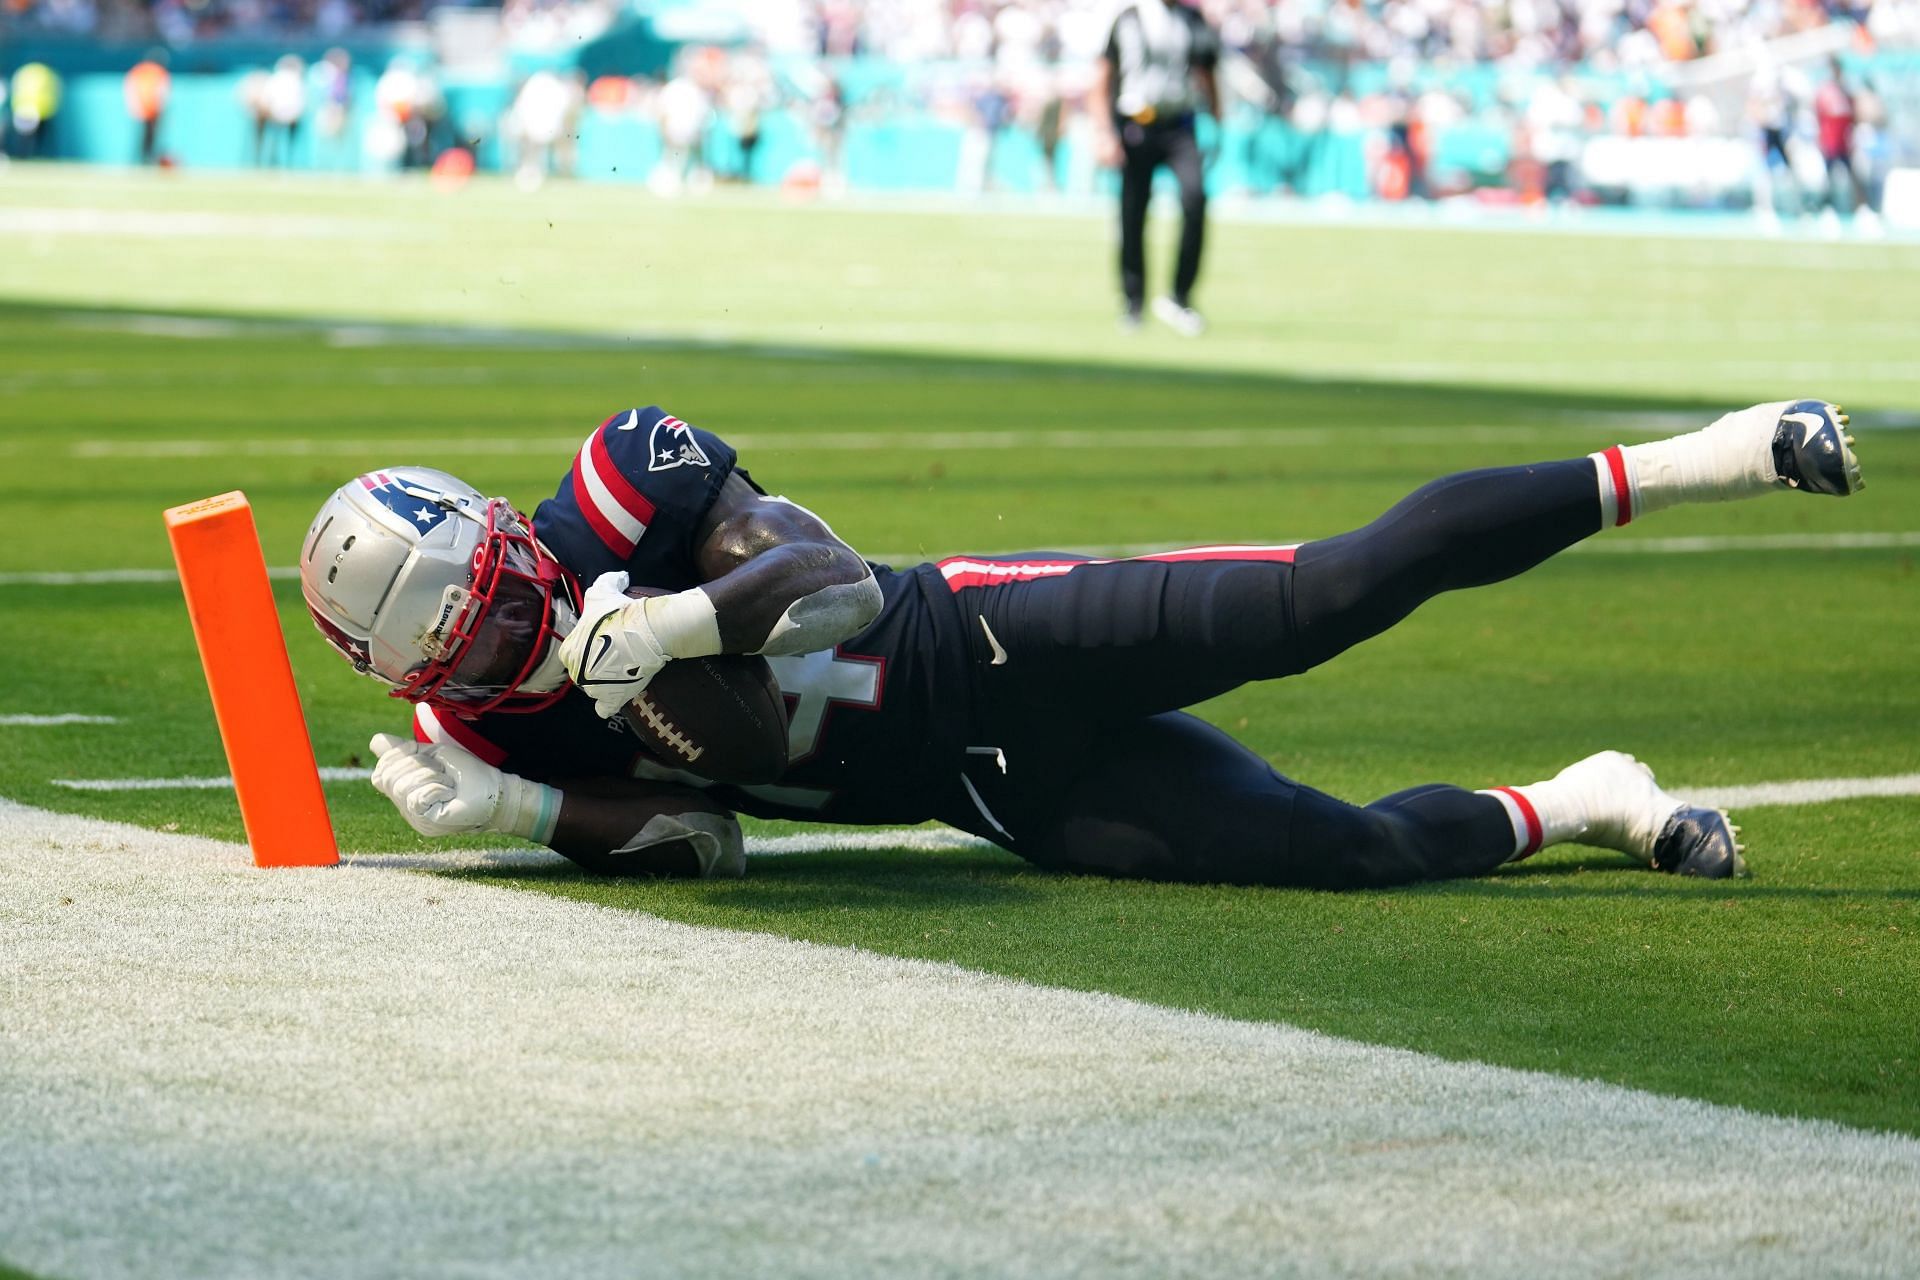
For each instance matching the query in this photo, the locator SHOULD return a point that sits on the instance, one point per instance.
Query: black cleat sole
(1699, 842)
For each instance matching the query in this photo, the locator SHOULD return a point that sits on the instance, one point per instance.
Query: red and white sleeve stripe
(963, 572)
(616, 511)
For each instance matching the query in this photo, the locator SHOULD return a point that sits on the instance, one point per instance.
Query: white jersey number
(814, 682)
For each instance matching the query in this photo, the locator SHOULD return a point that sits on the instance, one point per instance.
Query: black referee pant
(1145, 147)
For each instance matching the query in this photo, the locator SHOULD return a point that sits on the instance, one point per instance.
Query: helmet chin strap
(552, 673)
(549, 675)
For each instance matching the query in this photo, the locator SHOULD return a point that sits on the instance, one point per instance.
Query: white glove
(612, 651)
(444, 790)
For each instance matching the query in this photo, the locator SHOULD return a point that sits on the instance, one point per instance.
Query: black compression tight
(1464, 530)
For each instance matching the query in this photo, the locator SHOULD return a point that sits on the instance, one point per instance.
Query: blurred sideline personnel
(34, 102)
(1158, 52)
(1031, 700)
(146, 89)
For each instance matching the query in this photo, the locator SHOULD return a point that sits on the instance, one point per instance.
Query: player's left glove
(612, 651)
(445, 790)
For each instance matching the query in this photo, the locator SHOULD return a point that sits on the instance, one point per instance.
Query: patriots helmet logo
(422, 514)
(671, 444)
(354, 649)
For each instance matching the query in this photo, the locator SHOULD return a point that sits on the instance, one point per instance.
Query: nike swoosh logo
(1810, 425)
(999, 655)
(603, 642)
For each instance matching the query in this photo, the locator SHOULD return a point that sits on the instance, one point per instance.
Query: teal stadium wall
(903, 148)
(204, 127)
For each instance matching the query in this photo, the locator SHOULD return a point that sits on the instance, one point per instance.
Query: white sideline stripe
(328, 773)
(1804, 791)
(886, 839)
(1617, 546)
(211, 1070)
(63, 718)
(945, 839)
(112, 577)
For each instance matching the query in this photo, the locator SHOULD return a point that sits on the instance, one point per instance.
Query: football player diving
(1034, 700)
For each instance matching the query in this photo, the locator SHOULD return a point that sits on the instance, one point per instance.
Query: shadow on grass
(1605, 877)
(1419, 403)
(877, 880)
(811, 882)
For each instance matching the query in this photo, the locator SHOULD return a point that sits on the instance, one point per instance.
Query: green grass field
(914, 377)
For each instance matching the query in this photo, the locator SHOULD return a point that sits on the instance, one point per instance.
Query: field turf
(928, 381)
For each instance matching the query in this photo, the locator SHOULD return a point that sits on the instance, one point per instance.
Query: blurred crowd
(1602, 33)
(1543, 78)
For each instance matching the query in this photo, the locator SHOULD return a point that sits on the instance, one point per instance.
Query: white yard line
(1749, 542)
(43, 721)
(173, 225)
(855, 441)
(215, 1071)
(1838, 541)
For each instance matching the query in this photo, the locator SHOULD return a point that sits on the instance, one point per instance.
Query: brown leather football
(720, 717)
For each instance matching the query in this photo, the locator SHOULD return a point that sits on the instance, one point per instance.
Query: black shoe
(1699, 842)
(1812, 450)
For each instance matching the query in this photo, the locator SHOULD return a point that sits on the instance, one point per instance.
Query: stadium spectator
(541, 125)
(146, 88)
(408, 108)
(827, 116)
(1772, 100)
(33, 100)
(684, 110)
(1834, 118)
(990, 115)
(286, 101)
(1555, 124)
(1033, 700)
(745, 101)
(252, 93)
(1156, 71)
(332, 84)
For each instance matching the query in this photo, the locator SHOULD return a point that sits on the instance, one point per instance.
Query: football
(720, 717)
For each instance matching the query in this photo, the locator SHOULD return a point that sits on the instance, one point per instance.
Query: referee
(1158, 67)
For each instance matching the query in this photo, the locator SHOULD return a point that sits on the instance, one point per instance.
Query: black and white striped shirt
(1155, 46)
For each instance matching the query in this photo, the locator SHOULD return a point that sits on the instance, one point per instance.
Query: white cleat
(1627, 810)
(1793, 444)
(1183, 320)
(1812, 450)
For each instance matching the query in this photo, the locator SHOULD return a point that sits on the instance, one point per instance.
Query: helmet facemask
(496, 634)
(439, 592)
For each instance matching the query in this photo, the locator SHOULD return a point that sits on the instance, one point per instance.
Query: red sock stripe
(1527, 815)
(1622, 494)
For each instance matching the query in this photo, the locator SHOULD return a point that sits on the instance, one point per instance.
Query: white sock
(1541, 814)
(1731, 459)
(1608, 799)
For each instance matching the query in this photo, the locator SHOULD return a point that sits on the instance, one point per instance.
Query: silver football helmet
(426, 584)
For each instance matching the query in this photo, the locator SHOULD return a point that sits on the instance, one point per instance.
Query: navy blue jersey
(869, 740)
(911, 718)
(634, 500)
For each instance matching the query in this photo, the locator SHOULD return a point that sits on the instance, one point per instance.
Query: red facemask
(503, 633)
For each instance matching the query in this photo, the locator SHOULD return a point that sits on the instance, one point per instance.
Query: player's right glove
(612, 651)
(445, 790)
